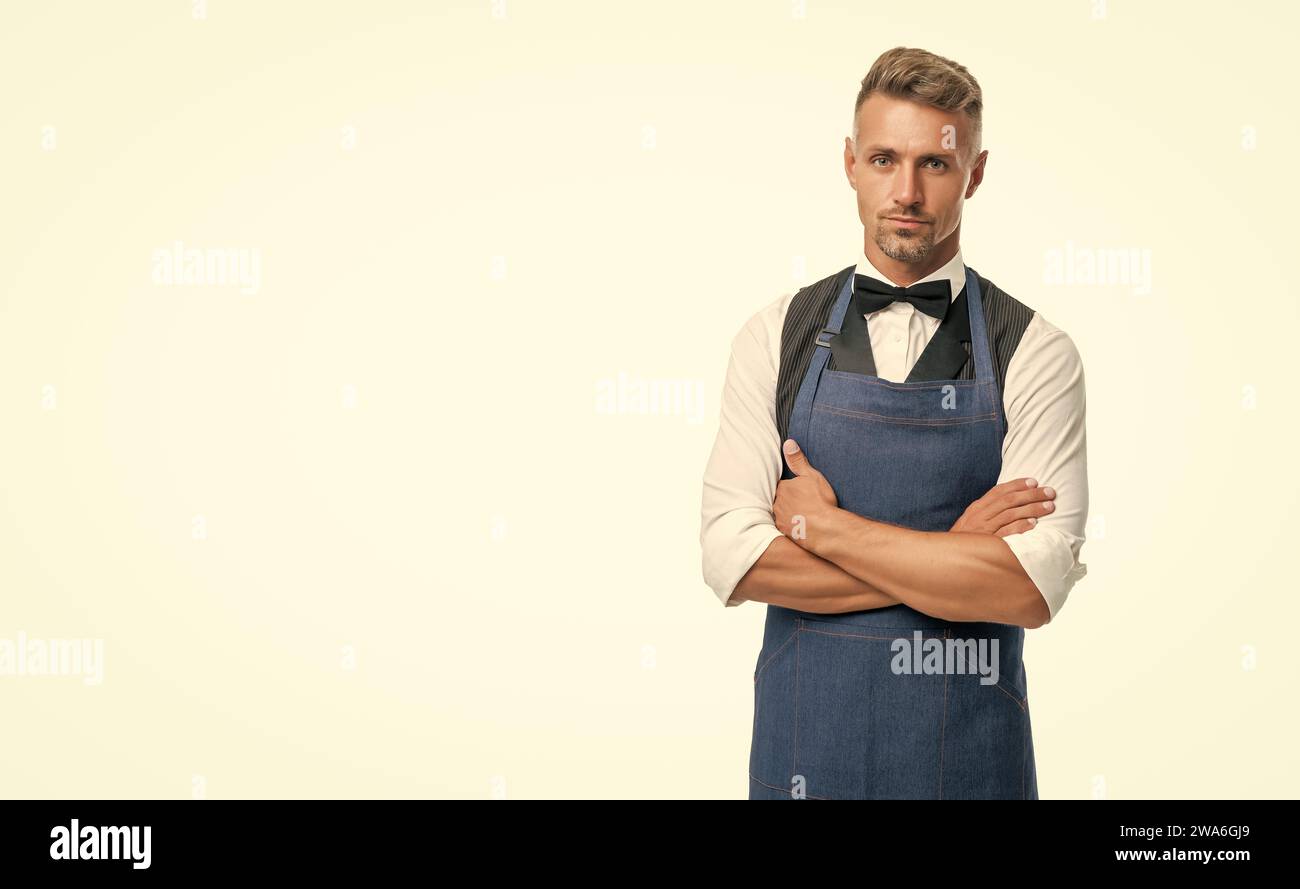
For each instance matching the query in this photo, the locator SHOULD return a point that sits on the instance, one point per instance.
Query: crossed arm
(832, 560)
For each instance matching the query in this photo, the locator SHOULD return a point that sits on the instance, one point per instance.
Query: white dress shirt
(1045, 440)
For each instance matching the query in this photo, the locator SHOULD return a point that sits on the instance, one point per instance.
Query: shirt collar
(954, 270)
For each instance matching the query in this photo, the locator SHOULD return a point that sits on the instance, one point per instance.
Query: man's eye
(879, 158)
(937, 161)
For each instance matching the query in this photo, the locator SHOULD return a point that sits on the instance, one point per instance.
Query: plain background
(392, 526)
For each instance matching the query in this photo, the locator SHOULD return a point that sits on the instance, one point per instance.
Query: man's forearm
(790, 576)
(952, 575)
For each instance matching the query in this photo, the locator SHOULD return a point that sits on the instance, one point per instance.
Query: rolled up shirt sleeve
(736, 522)
(1047, 440)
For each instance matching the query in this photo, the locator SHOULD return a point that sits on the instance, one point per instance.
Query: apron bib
(841, 709)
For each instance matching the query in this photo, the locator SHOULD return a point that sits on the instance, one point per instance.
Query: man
(933, 495)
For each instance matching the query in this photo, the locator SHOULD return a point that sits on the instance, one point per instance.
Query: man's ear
(977, 173)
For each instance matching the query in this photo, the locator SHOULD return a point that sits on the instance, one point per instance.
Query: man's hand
(1008, 508)
(802, 500)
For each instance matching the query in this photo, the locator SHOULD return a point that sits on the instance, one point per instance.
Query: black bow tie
(871, 294)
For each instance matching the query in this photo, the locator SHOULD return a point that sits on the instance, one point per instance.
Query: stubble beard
(904, 247)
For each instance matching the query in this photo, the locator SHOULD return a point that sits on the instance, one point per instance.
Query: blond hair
(924, 77)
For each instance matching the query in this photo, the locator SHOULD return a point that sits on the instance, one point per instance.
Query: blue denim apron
(835, 716)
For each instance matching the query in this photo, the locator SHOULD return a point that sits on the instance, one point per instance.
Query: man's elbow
(1032, 586)
(717, 576)
(729, 552)
(1017, 601)
(1031, 611)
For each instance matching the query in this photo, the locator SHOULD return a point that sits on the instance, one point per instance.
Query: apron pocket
(767, 654)
(986, 741)
(865, 731)
(771, 751)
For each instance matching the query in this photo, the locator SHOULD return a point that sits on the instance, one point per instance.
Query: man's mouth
(906, 223)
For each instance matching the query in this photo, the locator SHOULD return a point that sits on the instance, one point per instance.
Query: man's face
(912, 164)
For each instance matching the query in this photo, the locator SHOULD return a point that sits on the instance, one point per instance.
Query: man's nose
(907, 187)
